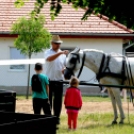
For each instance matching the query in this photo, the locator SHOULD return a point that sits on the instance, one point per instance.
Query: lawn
(94, 118)
(97, 124)
(85, 98)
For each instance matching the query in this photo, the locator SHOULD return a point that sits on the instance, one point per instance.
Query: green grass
(97, 124)
(22, 97)
(95, 99)
(85, 98)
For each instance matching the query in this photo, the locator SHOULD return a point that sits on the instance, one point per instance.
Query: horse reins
(83, 60)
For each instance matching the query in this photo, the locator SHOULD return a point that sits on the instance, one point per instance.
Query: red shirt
(73, 99)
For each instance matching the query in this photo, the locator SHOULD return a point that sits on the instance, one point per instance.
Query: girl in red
(73, 103)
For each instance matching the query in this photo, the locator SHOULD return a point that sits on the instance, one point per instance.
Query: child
(40, 91)
(73, 102)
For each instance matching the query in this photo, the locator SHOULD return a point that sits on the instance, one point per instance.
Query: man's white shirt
(54, 68)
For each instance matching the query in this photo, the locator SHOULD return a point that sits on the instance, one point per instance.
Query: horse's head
(73, 63)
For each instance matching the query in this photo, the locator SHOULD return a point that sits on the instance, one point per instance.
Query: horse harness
(105, 70)
(125, 66)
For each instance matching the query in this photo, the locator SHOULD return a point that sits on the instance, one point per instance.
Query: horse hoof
(121, 122)
(114, 122)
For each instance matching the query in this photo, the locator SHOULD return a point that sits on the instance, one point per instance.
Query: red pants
(72, 119)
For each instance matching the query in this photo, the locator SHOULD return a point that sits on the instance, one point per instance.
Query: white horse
(93, 59)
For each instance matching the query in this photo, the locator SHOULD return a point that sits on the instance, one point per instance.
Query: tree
(32, 38)
(121, 10)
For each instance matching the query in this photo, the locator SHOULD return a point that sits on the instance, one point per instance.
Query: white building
(94, 33)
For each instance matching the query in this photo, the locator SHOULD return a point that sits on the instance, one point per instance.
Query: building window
(15, 55)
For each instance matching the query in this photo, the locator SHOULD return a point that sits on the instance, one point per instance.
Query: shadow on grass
(91, 126)
(97, 126)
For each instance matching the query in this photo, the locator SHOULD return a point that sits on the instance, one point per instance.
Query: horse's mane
(115, 54)
(93, 50)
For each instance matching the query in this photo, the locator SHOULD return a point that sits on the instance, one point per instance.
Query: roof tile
(69, 20)
(99, 26)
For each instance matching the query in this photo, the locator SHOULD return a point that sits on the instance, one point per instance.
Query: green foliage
(32, 36)
(120, 10)
(20, 3)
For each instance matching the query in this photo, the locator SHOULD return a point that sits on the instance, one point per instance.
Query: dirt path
(25, 106)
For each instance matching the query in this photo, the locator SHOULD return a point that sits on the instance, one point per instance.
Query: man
(54, 66)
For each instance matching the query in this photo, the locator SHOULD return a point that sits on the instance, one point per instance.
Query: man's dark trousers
(55, 97)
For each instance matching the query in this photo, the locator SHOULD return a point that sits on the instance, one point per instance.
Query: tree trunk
(28, 79)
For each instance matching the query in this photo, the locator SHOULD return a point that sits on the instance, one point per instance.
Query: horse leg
(114, 106)
(116, 93)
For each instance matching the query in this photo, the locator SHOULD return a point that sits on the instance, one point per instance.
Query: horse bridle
(77, 59)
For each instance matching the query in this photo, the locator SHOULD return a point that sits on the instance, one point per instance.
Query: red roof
(68, 21)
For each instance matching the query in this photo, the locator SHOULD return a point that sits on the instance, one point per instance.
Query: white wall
(107, 45)
(19, 78)
(7, 76)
